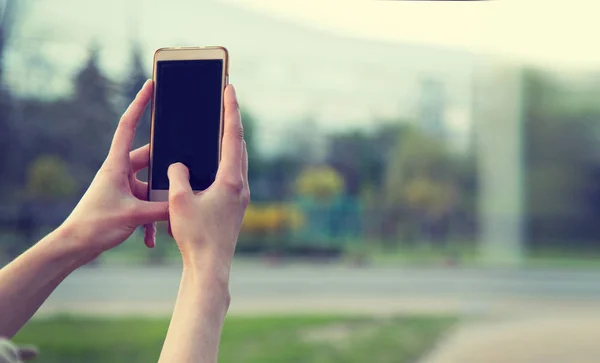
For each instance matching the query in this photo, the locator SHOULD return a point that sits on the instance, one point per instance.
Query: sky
(556, 33)
(284, 67)
(343, 62)
(560, 33)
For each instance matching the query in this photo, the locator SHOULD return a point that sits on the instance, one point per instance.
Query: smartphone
(187, 115)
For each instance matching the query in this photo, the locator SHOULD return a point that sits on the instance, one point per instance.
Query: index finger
(233, 138)
(125, 132)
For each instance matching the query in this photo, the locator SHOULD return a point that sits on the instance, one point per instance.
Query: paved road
(309, 288)
(542, 316)
(537, 338)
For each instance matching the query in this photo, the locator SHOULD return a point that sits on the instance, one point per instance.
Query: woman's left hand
(116, 203)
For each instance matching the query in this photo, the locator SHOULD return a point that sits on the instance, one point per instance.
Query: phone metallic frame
(184, 53)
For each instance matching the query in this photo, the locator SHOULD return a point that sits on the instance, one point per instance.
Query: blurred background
(425, 176)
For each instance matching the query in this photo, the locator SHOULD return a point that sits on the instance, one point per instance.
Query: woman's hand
(206, 225)
(116, 203)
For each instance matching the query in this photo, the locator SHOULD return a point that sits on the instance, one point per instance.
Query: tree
(423, 186)
(49, 179)
(8, 15)
(561, 154)
(271, 179)
(361, 157)
(7, 140)
(305, 141)
(137, 78)
(254, 159)
(56, 149)
(277, 178)
(321, 183)
(320, 198)
(87, 130)
(41, 129)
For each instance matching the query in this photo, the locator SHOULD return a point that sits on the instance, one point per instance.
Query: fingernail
(185, 168)
(143, 87)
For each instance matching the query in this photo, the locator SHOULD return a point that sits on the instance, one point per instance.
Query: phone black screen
(187, 114)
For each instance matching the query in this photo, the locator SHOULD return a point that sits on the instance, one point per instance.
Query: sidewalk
(572, 337)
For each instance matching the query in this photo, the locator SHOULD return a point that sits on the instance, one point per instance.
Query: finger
(230, 168)
(123, 138)
(245, 163)
(140, 158)
(179, 183)
(150, 212)
(139, 189)
(150, 235)
(169, 230)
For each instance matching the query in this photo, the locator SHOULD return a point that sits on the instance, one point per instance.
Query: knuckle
(177, 197)
(245, 197)
(234, 185)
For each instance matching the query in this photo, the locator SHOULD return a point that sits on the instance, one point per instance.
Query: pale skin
(205, 226)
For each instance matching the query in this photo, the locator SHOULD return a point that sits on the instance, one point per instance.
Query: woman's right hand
(206, 225)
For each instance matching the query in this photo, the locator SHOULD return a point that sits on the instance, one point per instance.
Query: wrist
(208, 266)
(72, 245)
(59, 255)
(207, 260)
(208, 273)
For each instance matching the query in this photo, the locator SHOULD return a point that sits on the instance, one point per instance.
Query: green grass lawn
(295, 339)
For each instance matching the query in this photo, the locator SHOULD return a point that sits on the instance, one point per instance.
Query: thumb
(180, 189)
(150, 212)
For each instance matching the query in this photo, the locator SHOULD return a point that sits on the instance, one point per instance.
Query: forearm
(27, 282)
(197, 321)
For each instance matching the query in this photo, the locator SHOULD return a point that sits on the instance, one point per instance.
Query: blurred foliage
(49, 179)
(131, 87)
(427, 187)
(255, 162)
(50, 149)
(361, 157)
(271, 218)
(431, 196)
(319, 182)
(406, 184)
(7, 140)
(418, 157)
(562, 125)
(276, 180)
(89, 129)
(272, 178)
(249, 123)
